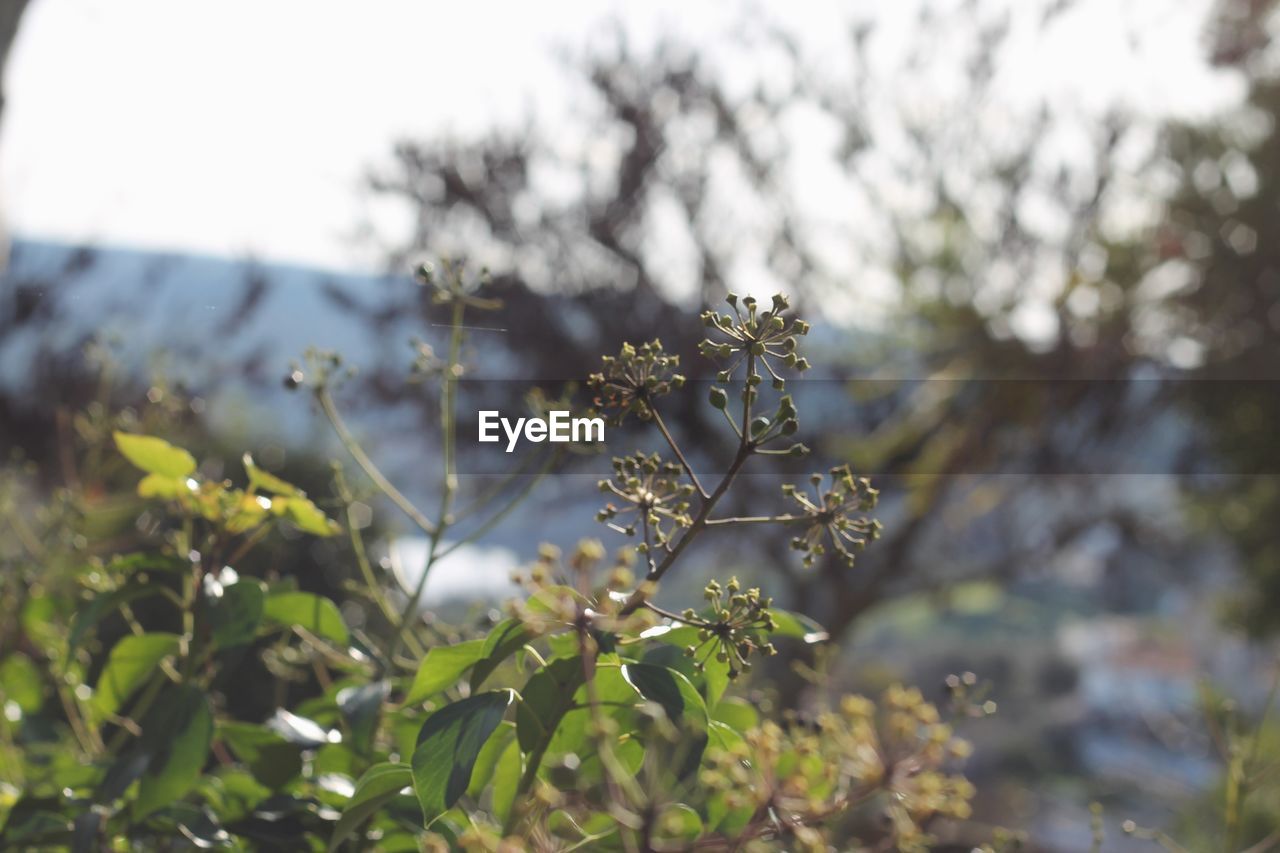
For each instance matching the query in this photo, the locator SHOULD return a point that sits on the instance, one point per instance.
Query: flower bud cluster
(629, 382)
(733, 629)
(834, 515)
(652, 497)
(757, 337)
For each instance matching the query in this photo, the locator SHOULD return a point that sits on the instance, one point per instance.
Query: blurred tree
(1219, 235)
(975, 241)
(10, 14)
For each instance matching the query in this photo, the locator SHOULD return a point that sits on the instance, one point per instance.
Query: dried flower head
(830, 514)
(760, 337)
(629, 382)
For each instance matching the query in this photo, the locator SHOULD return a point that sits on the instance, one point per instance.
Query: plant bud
(719, 399)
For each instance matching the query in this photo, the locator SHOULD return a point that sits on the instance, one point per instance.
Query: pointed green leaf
(670, 689)
(506, 781)
(545, 699)
(506, 638)
(261, 480)
(178, 733)
(487, 761)
(308, 517)
(164, 488)
(448, 747)
(102, 604)
(235, 616)
(797, 625)
(441, 668)
(130, 664)
(316, 614)
(155, 455)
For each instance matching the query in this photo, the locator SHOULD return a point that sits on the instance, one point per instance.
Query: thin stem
(497, 517)
(376, 591)
(449, 484)
(757, 519)
(745, 448)
(366, 464)
(675, 448)
(674, 617)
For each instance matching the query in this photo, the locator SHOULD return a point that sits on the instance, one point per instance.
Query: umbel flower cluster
(651, 492)
(629, 382)
(765, 336)
(833, 515)
(887, 764)
(734, 628)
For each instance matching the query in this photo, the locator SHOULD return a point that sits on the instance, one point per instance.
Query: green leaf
(268, 482)
(314, 613)
(271, 759)
(441, 668)
(506, 781)
(376, 787)
(714, 677)
(155, 455)
(102, 604)
(507, 637)
(235, 616)
(487, 761)
(179, 734)
(545, 699)
(670, 689)
(679, 822)
(722, 736)
(130, 664)
(736, 713)
(162, 487)
(308, 517)
(449, 745)
(797, 625)
(20, 683)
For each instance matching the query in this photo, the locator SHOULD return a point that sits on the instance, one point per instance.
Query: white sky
(245, 126)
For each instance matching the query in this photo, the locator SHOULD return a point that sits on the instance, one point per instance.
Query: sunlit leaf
(20, 683)
(162, 487)
(155, 455)
(308, 517)
(132, 661)
(262, 480)
(314, 613)
(441, 668)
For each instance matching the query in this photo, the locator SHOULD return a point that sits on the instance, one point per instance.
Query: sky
(244, 128)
